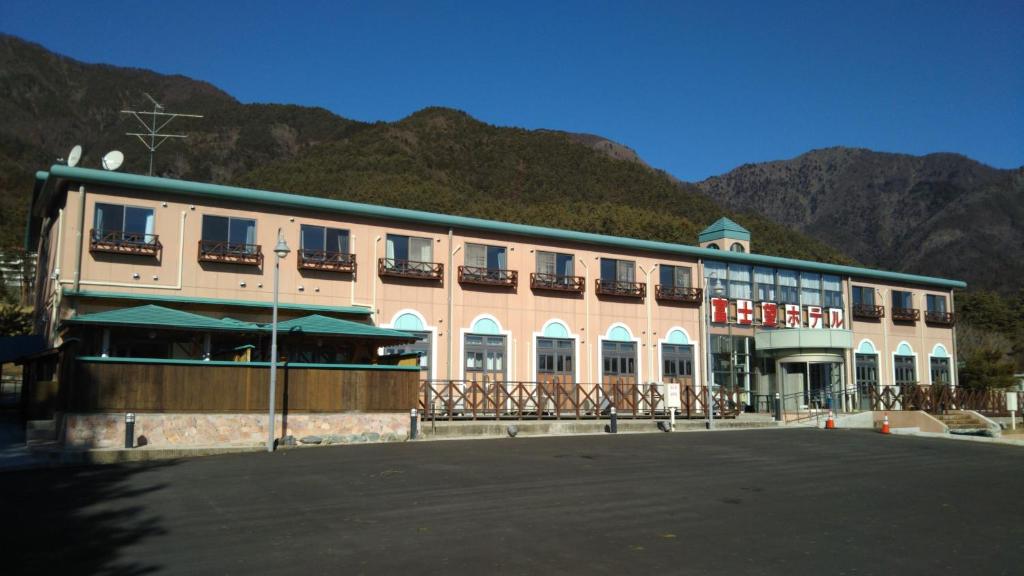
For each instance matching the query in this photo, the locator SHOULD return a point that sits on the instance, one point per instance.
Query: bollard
(129, 430)
(613, 426)
(413, 424)
(778, 407)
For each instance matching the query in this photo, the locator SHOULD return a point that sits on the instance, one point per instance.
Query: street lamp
(280, 251)
(718, 291)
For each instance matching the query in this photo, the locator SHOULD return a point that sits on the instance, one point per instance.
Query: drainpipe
(885, 355)
(376, 279)
(586, 318)
(79, 236)
(650, 349)
(451, 303)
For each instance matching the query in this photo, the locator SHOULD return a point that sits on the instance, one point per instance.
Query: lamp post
(709, 407)
(280, 251)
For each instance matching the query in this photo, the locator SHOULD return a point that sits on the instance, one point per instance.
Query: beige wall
(521, 313)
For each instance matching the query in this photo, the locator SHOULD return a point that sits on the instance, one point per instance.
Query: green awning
(154, 316)
(327, 326)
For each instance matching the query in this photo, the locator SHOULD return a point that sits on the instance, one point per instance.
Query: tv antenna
(152, 138)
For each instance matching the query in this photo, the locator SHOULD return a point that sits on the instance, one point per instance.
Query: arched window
(737, 247)
(713, 246)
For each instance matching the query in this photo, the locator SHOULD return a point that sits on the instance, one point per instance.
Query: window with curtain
(936, 303)
(764, 279)
(555, 263)
(617, 270)
(484, 256)
(739, 281)
(676, 276)
(227, 234)
(788, 290)
(411, 252)
(832, 288)
(119, 223)
(902, 299)
(320, 241)
(863, 296)
(810, 289)
(716, 275)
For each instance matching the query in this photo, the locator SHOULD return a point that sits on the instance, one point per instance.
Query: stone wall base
(172, 430)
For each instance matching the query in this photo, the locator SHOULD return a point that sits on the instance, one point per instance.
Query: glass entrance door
(866, 372)
(485, 358)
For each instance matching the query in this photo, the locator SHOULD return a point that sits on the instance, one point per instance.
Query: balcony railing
(121, 242)
(542, 281)
(868, 311)
(410, 269)
(939, 318)
(906, 314)
(620, 288)
(488, 276)
(230, 252)
(329, 261)
(679, 294)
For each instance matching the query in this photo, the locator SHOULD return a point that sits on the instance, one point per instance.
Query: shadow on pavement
(76, 520)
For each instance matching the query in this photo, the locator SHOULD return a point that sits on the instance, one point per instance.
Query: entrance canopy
(803, 338)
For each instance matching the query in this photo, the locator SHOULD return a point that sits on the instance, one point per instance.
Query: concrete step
(40, 431)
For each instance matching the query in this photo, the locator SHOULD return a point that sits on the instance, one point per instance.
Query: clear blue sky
(695, 89)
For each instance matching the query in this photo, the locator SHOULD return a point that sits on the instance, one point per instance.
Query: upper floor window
(936, 303)
(789, 293)
(810, 289)
(409, 249)
(487, 265)
(486, 257)
(764, 279)
(713, 246)
(320, 239)
(123, 224)
(410, 256)
(676, 276)
(737, 247)
(617, 270)
(832, 289)
(554, 263)
(902, 299)
(322, 248)
(227, 239)
(863, 296)
(739, 281)
(124, 230)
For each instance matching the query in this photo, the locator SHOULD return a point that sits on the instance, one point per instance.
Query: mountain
(940, 214)
(437, 159)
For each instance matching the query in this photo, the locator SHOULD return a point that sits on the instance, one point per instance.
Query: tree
(986, 369)
(14, 320)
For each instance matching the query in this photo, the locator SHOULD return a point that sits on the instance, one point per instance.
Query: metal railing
(543, 281)
(620, 288)
(230, 252)
(940, 318)
(870, 311)
(325, 260)
(121, 242)
(906, 314)
(679, 294)
(410, 269)
(488, 276)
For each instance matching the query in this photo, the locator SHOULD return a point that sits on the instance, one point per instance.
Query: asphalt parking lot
(743, 502)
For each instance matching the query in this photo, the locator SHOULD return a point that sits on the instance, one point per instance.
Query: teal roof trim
(216, 302)
(280, 200)
(317, 324)
(724, 228)
(151, 315)
(385, 367)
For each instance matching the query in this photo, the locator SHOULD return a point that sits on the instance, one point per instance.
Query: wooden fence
(235, 387)
(938, 399)
(474, 400)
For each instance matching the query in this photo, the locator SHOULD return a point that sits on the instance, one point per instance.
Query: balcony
(679, 294)
(619, 288)
(121, 242)
(327, 261)
(230, 253)
(906, 314)
(868, 311)
(542, 281)
(410, 269)
(488, 276)
(940, 318)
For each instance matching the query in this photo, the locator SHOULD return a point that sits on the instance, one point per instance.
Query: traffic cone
(830, 424)
(885, 424)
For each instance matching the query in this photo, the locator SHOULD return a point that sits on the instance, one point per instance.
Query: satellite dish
(113, 160)
(74, 156)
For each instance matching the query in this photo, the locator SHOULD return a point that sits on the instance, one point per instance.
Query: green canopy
(327, 326)
(154, 316)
